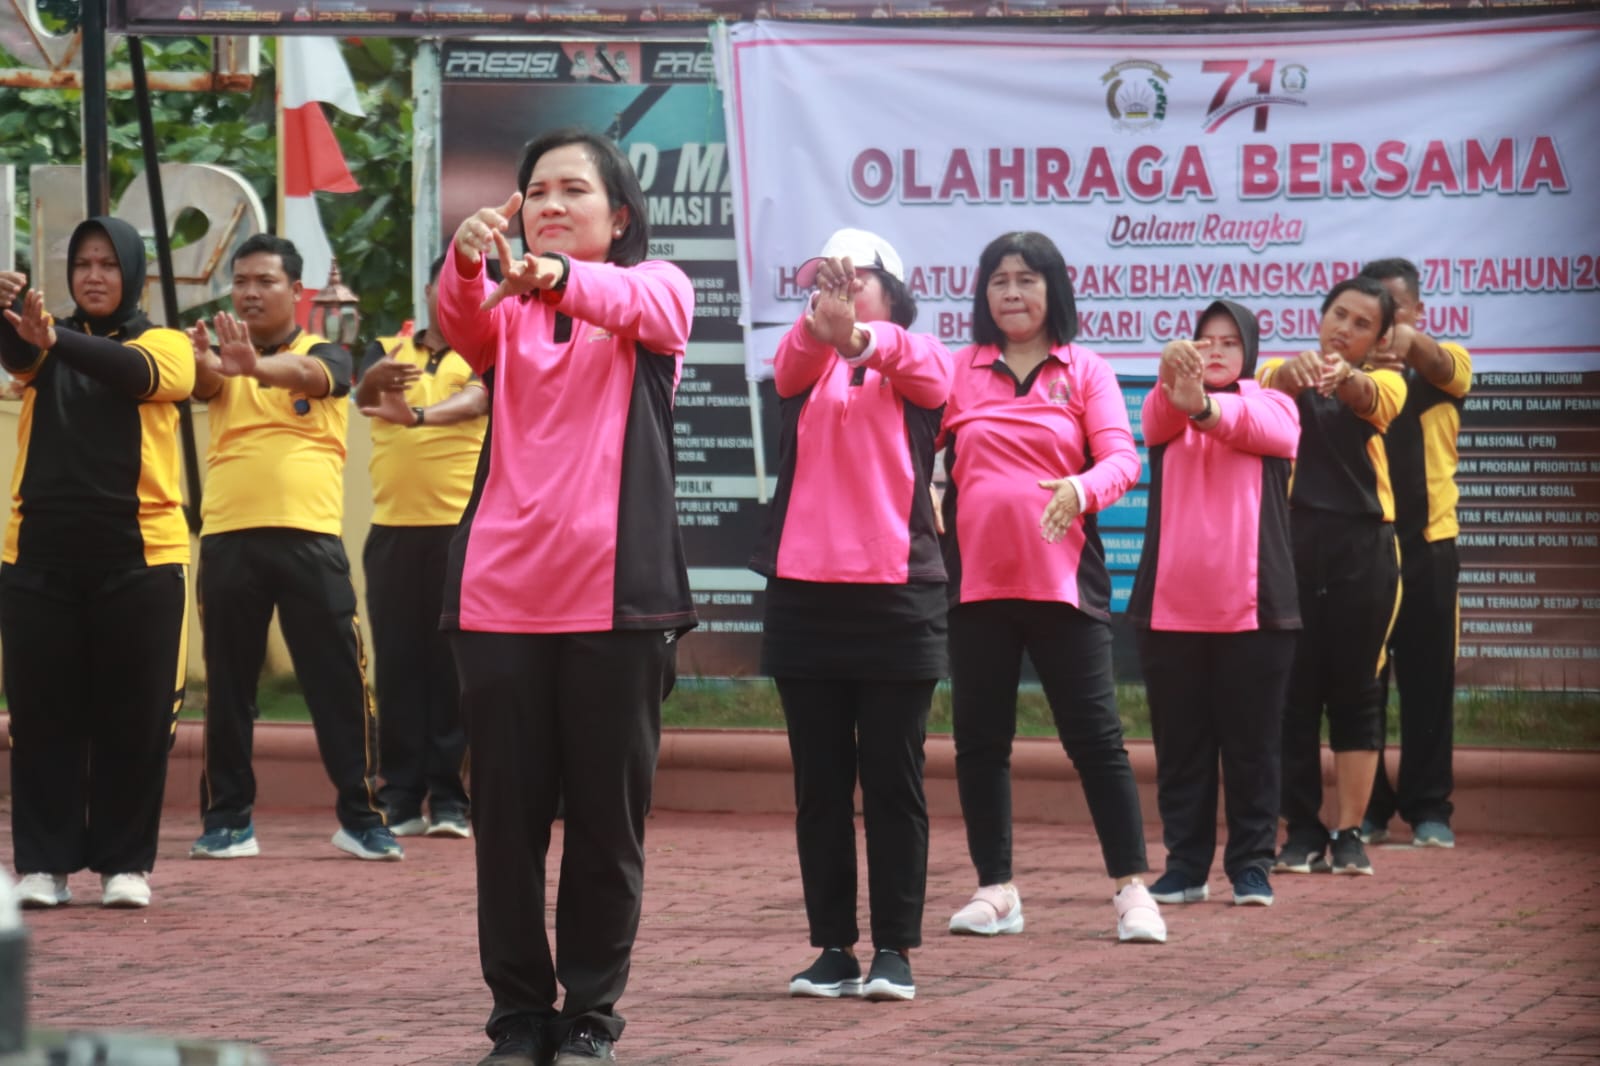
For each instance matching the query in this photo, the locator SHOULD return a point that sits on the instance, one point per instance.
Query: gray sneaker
(1433, 835)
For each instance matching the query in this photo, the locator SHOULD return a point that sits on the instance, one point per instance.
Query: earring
(615, 234)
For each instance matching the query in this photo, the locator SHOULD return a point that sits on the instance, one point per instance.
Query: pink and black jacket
(1217, 555)
(572, 525)
(855, 460)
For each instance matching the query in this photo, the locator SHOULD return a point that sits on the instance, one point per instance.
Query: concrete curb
(1541, 793)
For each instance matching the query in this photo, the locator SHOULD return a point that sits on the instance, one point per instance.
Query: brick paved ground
(1487, 954)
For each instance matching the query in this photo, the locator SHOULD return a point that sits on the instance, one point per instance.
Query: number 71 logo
(1291, 80)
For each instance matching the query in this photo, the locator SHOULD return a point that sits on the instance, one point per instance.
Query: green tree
(370, 231)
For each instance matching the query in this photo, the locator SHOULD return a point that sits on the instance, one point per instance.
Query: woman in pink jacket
(855, 606)
(1038, 443)
(1214, 602)
(566, 587)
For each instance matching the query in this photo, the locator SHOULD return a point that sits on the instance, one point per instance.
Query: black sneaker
(521, 1046)
(1251, 888)
(835, 973)
(1302, 853)
(890, 977)
(584, 1044)
(1349, 854)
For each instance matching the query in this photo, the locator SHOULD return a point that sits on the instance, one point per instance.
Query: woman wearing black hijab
(1214, 602)
(93, 571)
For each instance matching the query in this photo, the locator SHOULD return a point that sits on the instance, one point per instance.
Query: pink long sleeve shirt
(856, 460)
(1004, 437)
(1217, 555)
(572, 526)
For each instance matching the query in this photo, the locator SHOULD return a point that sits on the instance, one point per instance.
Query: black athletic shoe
(890, 977)
(835, 973)
(1349, 854)
(522, 1045)
(585, 1044)
(1302, 853)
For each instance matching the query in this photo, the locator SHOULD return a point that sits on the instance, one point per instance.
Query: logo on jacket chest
(1058, 392)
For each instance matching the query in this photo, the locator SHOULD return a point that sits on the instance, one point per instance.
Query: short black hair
(436, 266)
(268, 244)
(622, 185)
(902, 305)
(1042, 255)
(1395, 267)
(1367, 286)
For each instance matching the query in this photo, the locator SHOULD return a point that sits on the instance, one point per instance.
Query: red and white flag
(311, 72)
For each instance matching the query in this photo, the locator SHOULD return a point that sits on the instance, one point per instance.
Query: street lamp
(335, 310)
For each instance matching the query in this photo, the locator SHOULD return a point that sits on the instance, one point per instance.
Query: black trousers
(306, 576)
(573, 715)
(1217, 697)
(1072, 654)
(422, 745)
(1348, 573)
(94, 674)
(1422, 654)
(876, 728)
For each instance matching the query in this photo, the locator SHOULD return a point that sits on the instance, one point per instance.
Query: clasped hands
(1180, 375)
(392, 379)
(831, 316)
(1322, 371)
(486, 228)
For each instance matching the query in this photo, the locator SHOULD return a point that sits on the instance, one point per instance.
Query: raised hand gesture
(531, 273)
(12, 282)
(390, 375)
(476, 234)
(35, 325)
(1181, 376)
(236, 353)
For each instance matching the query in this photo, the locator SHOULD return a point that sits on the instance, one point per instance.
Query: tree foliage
(370, 230)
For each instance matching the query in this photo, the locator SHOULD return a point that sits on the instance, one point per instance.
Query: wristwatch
(553, 294)
(421, 417)
(1204, 412)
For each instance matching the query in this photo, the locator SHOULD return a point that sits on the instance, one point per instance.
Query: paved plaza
(1486, 954)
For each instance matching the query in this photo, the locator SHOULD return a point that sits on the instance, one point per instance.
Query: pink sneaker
(1138, 917)
(993, 910)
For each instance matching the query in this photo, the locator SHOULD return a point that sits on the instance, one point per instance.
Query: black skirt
(848, 632)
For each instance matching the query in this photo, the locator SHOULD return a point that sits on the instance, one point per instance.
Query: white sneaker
(411, 827)
(42, 890)
(992, 911)
(1138, 917)
(125, 890)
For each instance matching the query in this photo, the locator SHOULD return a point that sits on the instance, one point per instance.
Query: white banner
(1172, 170)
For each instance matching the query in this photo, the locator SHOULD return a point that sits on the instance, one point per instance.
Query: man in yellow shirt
(1422, 648)
(429, 415)
(273, 513)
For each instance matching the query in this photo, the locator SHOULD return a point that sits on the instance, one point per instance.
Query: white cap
(862, 248)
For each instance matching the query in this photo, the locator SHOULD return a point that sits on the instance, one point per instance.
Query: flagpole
(277, 110)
